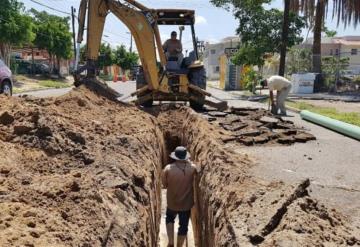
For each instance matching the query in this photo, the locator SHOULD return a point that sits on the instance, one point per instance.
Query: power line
(46, 6)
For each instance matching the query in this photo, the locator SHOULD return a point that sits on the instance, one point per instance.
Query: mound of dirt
(78, 170)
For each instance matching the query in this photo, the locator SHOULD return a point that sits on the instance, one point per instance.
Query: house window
(216, 69)
(37, 53)
(331, 52)
(29, 54)
(354, 51)
(337, 52)
(213, 52)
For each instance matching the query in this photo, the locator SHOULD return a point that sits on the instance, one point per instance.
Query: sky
(212, 24)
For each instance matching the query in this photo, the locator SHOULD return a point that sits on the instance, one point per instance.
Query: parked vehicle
(347, 75)
(26, 67)
(6, 84)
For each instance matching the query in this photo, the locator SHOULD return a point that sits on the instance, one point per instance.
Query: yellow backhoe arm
(140, 20)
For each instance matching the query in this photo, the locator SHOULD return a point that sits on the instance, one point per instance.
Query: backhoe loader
(158, 78)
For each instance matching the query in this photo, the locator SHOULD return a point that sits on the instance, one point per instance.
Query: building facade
(347, 46)
(213, 53)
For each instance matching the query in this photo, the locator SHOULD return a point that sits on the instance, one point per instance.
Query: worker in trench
(173, 48)
(283, 87)
(178, 178)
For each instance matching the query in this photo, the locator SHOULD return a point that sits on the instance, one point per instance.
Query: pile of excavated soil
(81, 170)
(255, 126)
(78, 170)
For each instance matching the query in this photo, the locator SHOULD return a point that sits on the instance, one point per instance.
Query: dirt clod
(6, 118)
(265, 128)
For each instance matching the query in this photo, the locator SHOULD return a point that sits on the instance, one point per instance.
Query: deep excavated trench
(81, 170)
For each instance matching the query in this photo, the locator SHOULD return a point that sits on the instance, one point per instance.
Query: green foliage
(250, 79)
(54, 84)
(329, 33)
(83, 54)
(260, 29)
(299, 60)
(53, 34)
(333, 66)
(347, 117)
(126, 60)
(106, 57)
(248, 54)
(16, 28)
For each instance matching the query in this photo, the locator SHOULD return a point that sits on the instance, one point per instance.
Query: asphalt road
(332, 162)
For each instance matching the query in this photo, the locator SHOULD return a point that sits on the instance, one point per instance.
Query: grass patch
(16, 90)
(54, 84)
(347, 117)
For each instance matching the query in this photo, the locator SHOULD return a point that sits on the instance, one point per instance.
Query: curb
(40, 89)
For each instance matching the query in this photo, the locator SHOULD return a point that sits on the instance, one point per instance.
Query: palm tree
(346, 11)
(284, 37)
(314, 12)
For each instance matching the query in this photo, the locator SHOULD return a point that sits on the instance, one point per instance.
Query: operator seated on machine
(173, 49)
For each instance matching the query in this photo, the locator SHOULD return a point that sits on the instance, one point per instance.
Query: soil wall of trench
(80, 170)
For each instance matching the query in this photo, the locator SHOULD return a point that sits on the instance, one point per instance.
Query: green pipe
(336, 125)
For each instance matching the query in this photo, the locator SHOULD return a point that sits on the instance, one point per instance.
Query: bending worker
(283, 87)
(178, 179)
(173, 48)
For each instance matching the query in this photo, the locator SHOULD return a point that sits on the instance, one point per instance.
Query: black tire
(196, 105)
(140, 82)
(6, 88)
(197, 77)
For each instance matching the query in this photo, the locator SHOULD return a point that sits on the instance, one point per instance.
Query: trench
(186, 128)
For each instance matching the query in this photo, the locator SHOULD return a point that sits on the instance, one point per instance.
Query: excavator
(159, 77)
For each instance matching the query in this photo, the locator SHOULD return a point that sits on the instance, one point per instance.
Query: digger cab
(180, 70)
(183, 19)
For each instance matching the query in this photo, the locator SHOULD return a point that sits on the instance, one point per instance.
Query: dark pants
(184, 217)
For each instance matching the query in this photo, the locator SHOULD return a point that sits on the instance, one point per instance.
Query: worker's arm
(165, 46)
(271, 97)
(179, 49)
(164, 178)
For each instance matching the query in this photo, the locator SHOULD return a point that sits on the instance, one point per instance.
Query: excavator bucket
(100, 87)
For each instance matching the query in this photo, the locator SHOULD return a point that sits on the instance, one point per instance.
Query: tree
(16, 28)
(333, 67)
(346, 11)
(260, 30)
(106, 57)
(261, 34)
(126, 60)
(53, 34)
(284, 37)
(299, 60)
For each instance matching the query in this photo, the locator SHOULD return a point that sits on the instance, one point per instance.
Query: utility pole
(131, 41)
(73, 11)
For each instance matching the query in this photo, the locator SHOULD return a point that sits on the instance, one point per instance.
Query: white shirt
(278, 83)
